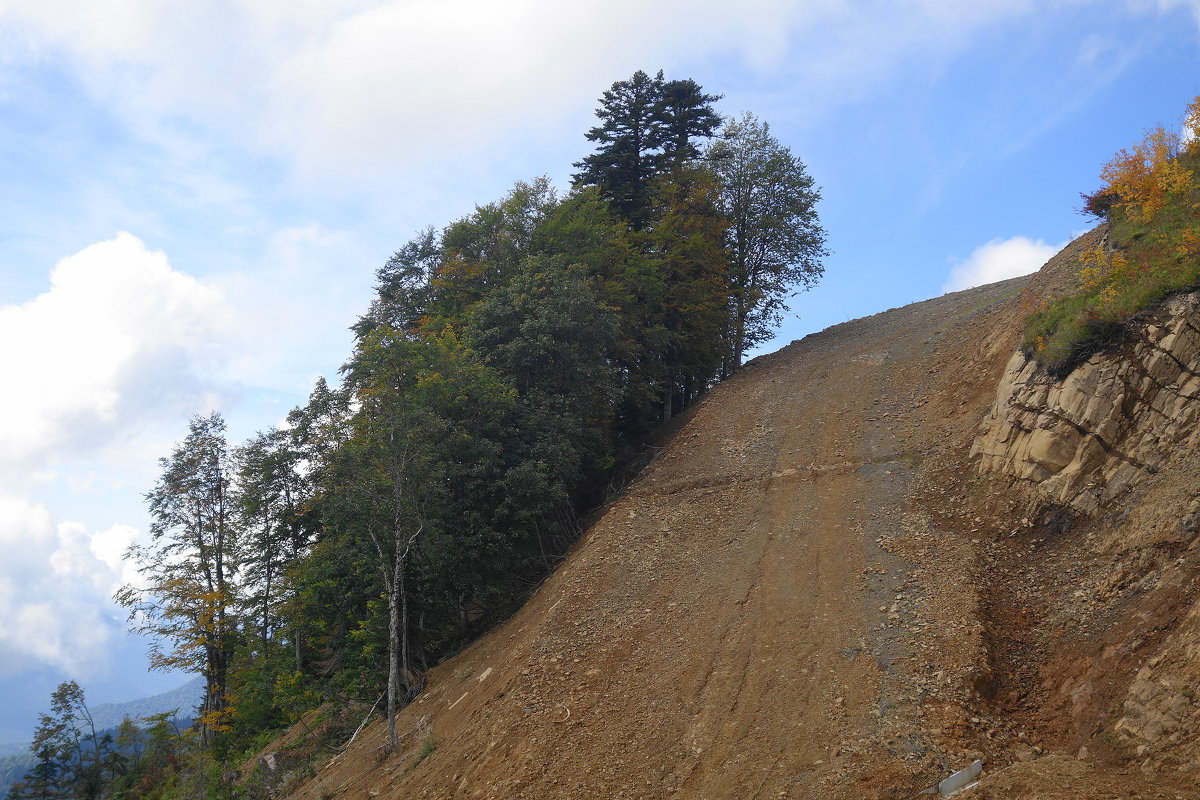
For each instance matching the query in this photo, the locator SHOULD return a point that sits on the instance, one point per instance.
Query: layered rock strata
(1084, 439)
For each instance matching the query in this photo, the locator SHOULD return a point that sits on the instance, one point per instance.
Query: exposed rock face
(1108, 424)
(1123, 427)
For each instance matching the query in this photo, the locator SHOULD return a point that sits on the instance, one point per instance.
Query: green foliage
(775, 241)
(425, 748)
(647, 127)
(550, 335)
(510, 370)
(1152, 250)
(188, 569)
(625, 159)
(75, 761)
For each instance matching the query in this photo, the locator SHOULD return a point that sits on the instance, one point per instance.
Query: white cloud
(119, 344)
(110, 361)
(117, 330)
(1000, 259)
(355, 88)
(54, 591)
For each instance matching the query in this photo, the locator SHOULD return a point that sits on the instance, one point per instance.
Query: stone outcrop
(1084, 439)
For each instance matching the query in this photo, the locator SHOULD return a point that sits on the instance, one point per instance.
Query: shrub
(1150, 198)
(425, 748)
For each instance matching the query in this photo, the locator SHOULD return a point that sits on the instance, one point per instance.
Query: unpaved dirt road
(785, 605)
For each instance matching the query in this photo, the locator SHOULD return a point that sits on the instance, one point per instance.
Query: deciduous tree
(1143, 178)
(187, 601)
(775, 239)
(70, 755)
(421, 435)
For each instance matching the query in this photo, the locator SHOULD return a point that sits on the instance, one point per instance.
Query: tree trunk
(404, 663)
(667, 400)
(739, 336)
(393, 686)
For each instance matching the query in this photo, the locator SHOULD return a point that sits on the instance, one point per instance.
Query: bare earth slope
(803, 596)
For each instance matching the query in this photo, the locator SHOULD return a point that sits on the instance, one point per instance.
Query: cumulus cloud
(118, 343)
(117, 328)
(55, 589)
(1000, 259)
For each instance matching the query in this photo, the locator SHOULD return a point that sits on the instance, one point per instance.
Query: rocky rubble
(1161, 714)
(1108, 424)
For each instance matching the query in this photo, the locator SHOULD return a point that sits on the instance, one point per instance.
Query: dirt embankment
(813, 593)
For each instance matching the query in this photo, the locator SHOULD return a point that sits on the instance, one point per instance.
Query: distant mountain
(13, 748)
(15, 758)
(184, 700)
(14, 767)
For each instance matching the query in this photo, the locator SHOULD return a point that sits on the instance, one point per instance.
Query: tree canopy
(776, 242)
(648, 127)
(514, 368)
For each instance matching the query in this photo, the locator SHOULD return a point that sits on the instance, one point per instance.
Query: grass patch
(1148, 257)
(425, 748)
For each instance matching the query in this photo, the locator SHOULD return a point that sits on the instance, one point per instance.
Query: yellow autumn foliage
(1147, 175)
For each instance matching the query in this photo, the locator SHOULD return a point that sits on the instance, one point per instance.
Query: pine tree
(628, 136)
(684, 113)
(647, 129)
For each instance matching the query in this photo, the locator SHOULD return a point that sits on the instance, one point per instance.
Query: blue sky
(194, 198)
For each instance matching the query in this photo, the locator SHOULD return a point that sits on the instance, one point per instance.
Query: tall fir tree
(627, 139)
(685, 113)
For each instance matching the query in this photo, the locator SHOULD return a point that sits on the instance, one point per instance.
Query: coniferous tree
(627, 138)
(685, 113)
(44, 781)
(648, 127)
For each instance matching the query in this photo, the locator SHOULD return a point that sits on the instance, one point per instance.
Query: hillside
(884, 552)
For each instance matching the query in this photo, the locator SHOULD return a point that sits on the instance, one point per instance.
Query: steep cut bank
(816, 591)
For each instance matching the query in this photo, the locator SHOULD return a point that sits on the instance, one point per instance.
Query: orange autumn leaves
(1144, 177)
(1150, 249)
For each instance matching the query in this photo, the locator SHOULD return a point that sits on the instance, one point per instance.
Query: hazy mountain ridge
(15, 758)
(184, 700)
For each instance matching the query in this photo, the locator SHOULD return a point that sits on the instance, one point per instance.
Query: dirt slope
(799, 599)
